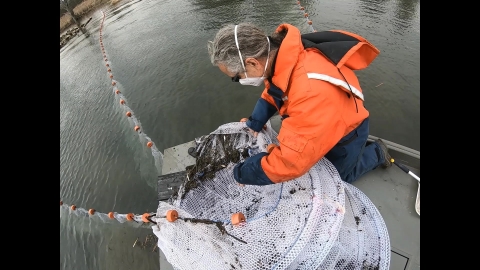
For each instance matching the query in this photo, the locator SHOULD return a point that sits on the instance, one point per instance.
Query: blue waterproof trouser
(353, 157)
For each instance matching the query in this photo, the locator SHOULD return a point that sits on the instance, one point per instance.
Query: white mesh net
(316, 221)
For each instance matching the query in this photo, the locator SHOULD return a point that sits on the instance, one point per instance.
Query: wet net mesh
(316, 221)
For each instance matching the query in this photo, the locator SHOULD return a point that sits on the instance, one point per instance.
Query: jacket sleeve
(263, 111)
(314, 126)
(250, 172)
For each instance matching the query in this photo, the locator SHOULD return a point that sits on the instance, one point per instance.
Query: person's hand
(249, 129)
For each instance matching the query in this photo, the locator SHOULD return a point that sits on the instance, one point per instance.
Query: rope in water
(305, 15)
(171, 216)
(123, 102)
(145, 217)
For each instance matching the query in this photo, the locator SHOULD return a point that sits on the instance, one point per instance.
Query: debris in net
(219, 225)
(214, 152)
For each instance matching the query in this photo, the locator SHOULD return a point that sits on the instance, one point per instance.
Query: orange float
(172, 215)
(145, 217)
(237, 218)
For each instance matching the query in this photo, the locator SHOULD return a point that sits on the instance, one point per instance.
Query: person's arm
(315, 125)
(263, 111)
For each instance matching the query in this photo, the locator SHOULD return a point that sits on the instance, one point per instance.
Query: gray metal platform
(391, 190)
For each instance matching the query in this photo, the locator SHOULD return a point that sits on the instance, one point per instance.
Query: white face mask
(253, 81)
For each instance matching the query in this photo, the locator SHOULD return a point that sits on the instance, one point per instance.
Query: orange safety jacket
(319, 97)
